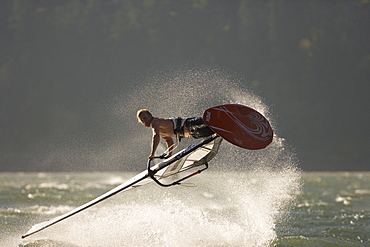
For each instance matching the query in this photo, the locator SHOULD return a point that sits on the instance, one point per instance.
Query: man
(166, 128)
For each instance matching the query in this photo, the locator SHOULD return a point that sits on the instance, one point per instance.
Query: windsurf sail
(181, 163)
(185, 162)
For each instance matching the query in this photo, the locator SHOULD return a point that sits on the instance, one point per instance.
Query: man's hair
(139, 112)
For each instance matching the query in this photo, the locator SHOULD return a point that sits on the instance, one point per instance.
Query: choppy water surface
(254, 208)
(332, 210)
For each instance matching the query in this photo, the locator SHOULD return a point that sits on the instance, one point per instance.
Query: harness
(178, 127)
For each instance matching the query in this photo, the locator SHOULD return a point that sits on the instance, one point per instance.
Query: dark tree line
(309, 58)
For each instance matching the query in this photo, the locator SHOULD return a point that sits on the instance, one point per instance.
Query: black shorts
(197, 128)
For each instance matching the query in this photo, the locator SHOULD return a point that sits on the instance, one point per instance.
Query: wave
(35, 209)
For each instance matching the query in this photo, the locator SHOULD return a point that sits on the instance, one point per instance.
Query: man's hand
(150, 157)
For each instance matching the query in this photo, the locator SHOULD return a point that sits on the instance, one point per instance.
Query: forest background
(309, 60)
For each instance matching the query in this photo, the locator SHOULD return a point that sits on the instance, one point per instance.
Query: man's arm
(169, 142)
(155, 142)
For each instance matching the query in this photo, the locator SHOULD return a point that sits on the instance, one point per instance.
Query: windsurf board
(239, 124)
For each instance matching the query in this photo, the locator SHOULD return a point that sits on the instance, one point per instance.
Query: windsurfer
(167, 128)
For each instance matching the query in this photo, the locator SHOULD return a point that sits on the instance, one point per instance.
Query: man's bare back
(163, 126)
